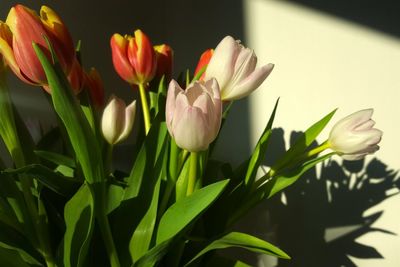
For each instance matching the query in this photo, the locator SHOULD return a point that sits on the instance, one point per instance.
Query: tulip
(164, 55)
(27, 27)
(95, 86)
(234, 67)
(5, 37)
(117, 120)
(134, 58)
(203, 62)
(193, 116)
(353, 136)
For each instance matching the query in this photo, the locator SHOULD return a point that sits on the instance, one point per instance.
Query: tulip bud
(117, 120)
(76, 77)
(164, 55)
(353, 136)
(95, 86)
(134, 58)
(193, 116)
(27, 27)
(234, 67)
(203, 62)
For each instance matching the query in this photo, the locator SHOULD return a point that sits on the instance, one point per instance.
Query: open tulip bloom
(64, 200)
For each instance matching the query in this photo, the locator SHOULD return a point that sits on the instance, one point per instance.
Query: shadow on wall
(318, 219)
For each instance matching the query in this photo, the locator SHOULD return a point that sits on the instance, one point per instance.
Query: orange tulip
(203, 61)
(27, 27)
(133, 57)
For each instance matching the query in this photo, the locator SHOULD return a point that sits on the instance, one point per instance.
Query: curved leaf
(245, 241)
(79, 220)
(187, 210)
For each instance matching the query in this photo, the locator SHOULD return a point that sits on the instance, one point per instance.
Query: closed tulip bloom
(94, 84)
(133, 57)
(27, 27)
(203, 62)
(234, 67)
(117, 120)
(193, 116)
(353, 137)
(165, 60)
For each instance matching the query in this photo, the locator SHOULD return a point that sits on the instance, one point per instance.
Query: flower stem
(106, 230)
(145, 108)
(192, 173)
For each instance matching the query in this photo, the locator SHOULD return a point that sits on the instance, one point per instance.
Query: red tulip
(133, 57)
(27, 27)
(164, 55)
(95, 86)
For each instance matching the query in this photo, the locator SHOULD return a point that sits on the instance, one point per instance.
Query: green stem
(106, 230)
(192, 173)
(145, 108)
(107, 158)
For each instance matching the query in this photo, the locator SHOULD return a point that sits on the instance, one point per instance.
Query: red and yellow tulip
(27, 27)
(133, 57)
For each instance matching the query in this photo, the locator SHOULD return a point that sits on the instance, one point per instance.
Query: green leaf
(242, 240)
(141, 239)
(154, 255)
(187, 210)
(146, 159)
(12, 239)
(58, 159)
(280, 182)
(143, 235)
(55, 181)
(79, 220)
(134, 218)
(260, 150)
(304, 141)
(11, 258)
(66, 105)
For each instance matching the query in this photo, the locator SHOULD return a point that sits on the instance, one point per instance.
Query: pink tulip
(234, 67)
(353, 136)
(117, 120)
(193, 116)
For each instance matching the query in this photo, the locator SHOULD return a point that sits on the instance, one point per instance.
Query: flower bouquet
(63, 203)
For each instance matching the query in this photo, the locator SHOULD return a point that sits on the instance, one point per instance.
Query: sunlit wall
(322, 63)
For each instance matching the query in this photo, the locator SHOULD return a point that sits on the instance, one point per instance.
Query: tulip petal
(27, 27)
(244, 65)
(129, 120)
(111, 120)
(191, 130)
(60, 37)
(119, 49)
(222, 62)
(173, 90)
(247, 86)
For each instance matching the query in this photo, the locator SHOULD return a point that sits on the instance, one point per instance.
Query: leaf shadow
(318, 220)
